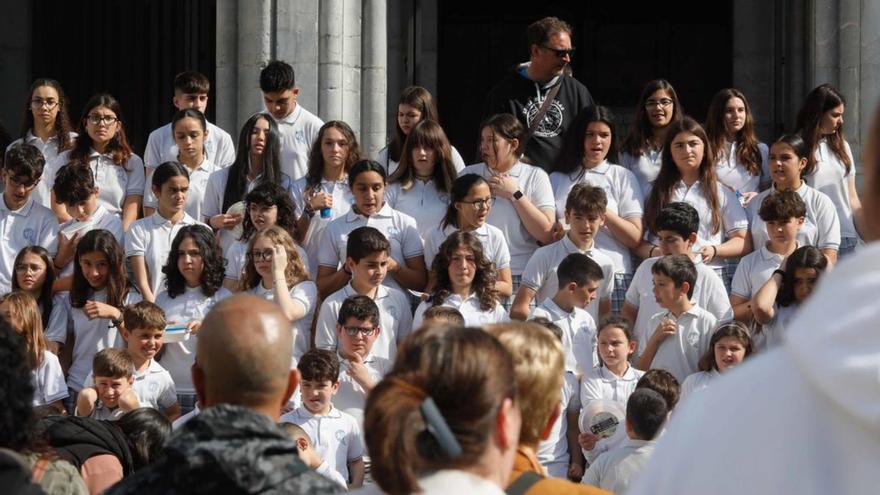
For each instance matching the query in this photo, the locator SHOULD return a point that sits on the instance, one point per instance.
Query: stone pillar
(296, 41)
(848, 78)
(352, 46)
(373, 85)
(255, 36)
(330, 42)
(225, 97)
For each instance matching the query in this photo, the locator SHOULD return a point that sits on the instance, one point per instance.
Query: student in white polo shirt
(616, 378)
(730, 345)
(190, 92)
(103, 146)
(148, 241)
(523, 204)
(682, 332)
(421, 185)
(584, 213)
(406, 264)
(189, 129)
(464, 279)
(323, 194)
(586, 155)
(297, 126)
(821, 228)
(367, 264)
(23, 222)
(257, 162)
(783, 214)
(469, 206)
(676, 231)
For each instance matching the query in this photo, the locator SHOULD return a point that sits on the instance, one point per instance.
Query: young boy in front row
(368, 252)
(683, 330)
(336, 434)
(442, 315)
(585, 214)
(579, 279)
(112, 394)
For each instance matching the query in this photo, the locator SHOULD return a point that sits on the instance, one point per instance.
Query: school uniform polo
(151, 237)
(624, 199)
(390, 165)
(619, 468)
(101, 412)
(754, 270)
(305, 294)
(342, 201)
(351, 398)
(43, 192)
(101, 219)
(195, 196)
(474, 314)
(534, 183)
(735, 176)
(48, 380)
(336, 436)
(298, 131)
(30, 225)
(578, 334)
(49, 148)
(399, 228)
(697, 382)
(422, 201)
(679, 354)
(493, 241)
(154, 387)
(709, 293)
(821, 228)
(774, 333)
(178, 357)
(553, 452)
(831, 178)
(600, 383)
(395, 320)
(117, 182)
(540, 273)
(162, 148)
(645, 167)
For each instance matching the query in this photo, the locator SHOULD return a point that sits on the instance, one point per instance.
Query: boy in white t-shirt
(585, 215)
(336, 435)
(682, 332)
(112, 394)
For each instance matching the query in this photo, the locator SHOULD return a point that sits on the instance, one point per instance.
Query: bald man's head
(244, 355)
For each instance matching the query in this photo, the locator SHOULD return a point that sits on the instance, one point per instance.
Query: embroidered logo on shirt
(300, 137)
(30, 235)
(693, 338)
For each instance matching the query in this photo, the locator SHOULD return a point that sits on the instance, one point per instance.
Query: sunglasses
(560, 52)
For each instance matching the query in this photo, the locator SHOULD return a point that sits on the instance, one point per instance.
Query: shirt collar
(304, 413)
(381, 291)
(570, 248)
(21, 212)
(292, 117)
(628, 376)
(152, 368)
(768, 255)
(558, 313)
(160, 221)
(602, 168)
(384, 212)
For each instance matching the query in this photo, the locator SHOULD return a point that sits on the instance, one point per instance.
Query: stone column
(373, 86)
(225, 84)
(330, 43)
(255, 36)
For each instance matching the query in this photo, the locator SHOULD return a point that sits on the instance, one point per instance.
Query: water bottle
(741, 198)
(325, 212)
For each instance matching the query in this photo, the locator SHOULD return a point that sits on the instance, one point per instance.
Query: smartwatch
(518, 194)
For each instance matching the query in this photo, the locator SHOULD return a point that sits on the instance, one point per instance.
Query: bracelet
(714, 252)
(651, 252)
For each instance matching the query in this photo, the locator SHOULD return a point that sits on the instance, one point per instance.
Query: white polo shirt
(117, 182)
(601, 384)
(679, 354)
(236, 259)
(48, 380)
(490, 236)
(151, 238)
(395, 320)
(619, 468)
(298, 131)
(754, 270)
(534, 183)
(195, 196)
(162, 148)
(422, 201)
(775, 332)
(336, 436)
(645, 167)
(154, 387)
(553, 452)
(540, 273)
(43, 192)
(697, 381)
(305, 294)
(578, 334)
(101, 219)
(735, 176)
(30, 225)
(821, 227)
(624, 199)
(91, 336)
(351, 398)
(179, 357)
(49, 147)
(342, 201)
(831, 178)
(474, 314)
(399, 228)
(709, 294)
(390, 165)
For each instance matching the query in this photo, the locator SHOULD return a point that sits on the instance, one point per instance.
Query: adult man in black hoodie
(242, 378)
(524, 89)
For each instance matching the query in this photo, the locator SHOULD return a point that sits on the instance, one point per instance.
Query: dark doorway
(130, 49)
(620, 46)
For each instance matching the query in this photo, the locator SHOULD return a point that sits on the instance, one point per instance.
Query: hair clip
(437, 427)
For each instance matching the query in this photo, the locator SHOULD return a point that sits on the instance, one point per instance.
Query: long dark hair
(484, 279)
(420, 99)
(316, 155)
(268, 195)
(213, 262)
(820, 100)
(146, 430)
(429, 134)
(570, 161)
(797, 144)
(747, 151)
(63, 128)
(802, 257)
(460, 188)
(118, 147)
(45, 299)
(236, 184)
(117, 281)
(640, 134)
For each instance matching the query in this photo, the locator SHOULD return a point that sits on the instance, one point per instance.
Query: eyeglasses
(560, 52)
(480, 203)
(365, 331)
(19, 182)
(38, 103)
(96, 119)
(265, 254)
(662, 102)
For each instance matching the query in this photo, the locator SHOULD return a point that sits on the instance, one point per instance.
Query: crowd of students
(671, 261)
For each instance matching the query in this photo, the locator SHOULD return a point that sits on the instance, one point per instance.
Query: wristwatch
(518, 194)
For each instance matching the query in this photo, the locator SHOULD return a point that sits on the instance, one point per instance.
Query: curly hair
(17, 418)
(747, 151)
(268, 195)
(45, 300)
(213, 262)
(63, 127)
(316, 156)
(295, 271)
(118, 146)
(484, 278)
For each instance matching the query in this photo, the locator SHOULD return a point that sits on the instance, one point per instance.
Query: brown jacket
(526, 460)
